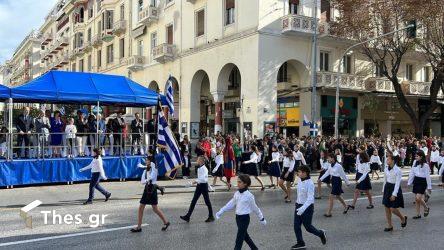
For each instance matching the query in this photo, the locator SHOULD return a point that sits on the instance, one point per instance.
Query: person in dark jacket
(118, 124)
(136, 134)
(82, 133)
(24, 125)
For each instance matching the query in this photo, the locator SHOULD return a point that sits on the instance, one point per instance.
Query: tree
(371, 103)
(360, 20)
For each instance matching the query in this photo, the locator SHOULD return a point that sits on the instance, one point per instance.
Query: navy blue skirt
(374, 166)
(336, 185)
(419, 185)
(388, 190)
(327, 179)
(219, 172)
(251, 169)
(365, 184)
(274, 169)
(290, 177)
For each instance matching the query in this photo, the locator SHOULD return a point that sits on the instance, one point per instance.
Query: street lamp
(346, 52)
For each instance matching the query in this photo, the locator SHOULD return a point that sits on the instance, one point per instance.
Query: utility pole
(314, 53)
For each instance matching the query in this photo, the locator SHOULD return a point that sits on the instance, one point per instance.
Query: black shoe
(185, 218)
(210, 219)
(426, 198)
(318, 197)
(162, 190)
(426, 212)
(327, 215)
(136, 230)
(416, 217)
(405, 222)
(165, 227)
(263, 188)
(350, 207)
(298, 246)
(370, 207)
(388, 229)
(323, 237)
(107, 197)
(87, 202)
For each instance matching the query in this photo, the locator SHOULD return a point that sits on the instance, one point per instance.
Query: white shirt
(219, 161)
(70, 131)
(305, 194)
(289, 163)
(202, 175)
(358, 160)
(151, 176)
(337, 171)
(393, 176)
(422, 172)
(375, 159)
(324, 164)
(96, 166)
(254, 158)
(425, 150)
(275, 157)
(244, 203)
(364, 169)
(434, 156)
(441, 170)
(298, 156)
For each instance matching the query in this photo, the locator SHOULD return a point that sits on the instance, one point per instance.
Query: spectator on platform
(136, 134)
(92, 132)
(117, 126)
(42, 127)
(24, 125)
(185, 150)
(102, 131)
(82, 133)
(57, 128)
(70, 132)
(4, 142)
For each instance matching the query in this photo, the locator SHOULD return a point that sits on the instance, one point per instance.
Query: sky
(17, 19)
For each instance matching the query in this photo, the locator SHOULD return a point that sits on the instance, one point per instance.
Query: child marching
(287, 175)
(363, 183)
(252, 167)
(274, 170)
(420, 178)
(375, 164)
(218, 170)
(324, 167)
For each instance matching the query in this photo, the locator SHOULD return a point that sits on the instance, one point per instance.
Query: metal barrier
(56, 145)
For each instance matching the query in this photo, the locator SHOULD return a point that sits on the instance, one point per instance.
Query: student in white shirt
(201, 189)
(337, 174)
(375, 164)
(70, 133)
(392, 193)
(218, 170)
(245, 204)
(434, 159)
(441, 167)
(304, 209)
(287, 175)
(149, 197)
(363, 183)
(274, 168)
(252, 168)
(97, 173)
(420, 178)
(324, 167)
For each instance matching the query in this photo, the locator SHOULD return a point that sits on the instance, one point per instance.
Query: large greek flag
(167, 145)
(170, 95)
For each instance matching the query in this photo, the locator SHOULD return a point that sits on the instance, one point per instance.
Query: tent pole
(97, 125)
(142, 140)
(10, 139)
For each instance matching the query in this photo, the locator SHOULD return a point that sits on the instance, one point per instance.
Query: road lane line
(66, 236)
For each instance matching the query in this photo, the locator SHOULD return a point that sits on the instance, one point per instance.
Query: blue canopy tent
(5, 92)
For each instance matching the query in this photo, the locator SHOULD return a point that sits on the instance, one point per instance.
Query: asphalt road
(359, 229)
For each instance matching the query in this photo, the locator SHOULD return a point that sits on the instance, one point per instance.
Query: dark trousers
(304, 219)
(135, 141)
(242, 222)
(20, 139)
(119, 144)
(432, 167)
(201, 189)
(94, 184)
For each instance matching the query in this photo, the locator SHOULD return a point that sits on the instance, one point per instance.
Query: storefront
(348, 113)
(288, 116)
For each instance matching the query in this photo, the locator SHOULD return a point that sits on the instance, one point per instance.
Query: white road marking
(66, 236)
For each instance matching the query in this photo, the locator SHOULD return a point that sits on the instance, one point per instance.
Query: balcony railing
(346, 81)
(79, 2)
(79, 27)
(163, 52)
(148, 15)
(297, 24)
(136, 63)
(119, 27)
(378, 84)
(97, 41)
(79, 51)
(47, 38)
(61, 42)
(419, 88)
(88, 46)
(108, 34)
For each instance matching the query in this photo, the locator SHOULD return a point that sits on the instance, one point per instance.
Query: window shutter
(295, 2)
(229, 4)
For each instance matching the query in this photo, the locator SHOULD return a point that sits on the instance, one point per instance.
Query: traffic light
(411, 31)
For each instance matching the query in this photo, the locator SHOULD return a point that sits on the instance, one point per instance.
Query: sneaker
(87, 202)
(165, 226)
(185, 218)
(136, 230)
(107, 197)
(298, 246)
(210, 219)
(323, 237)
(162, 190)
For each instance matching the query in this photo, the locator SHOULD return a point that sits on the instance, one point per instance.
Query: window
(109, 19)
(234, 79)
(409, 72)
(169, 31)
(427, 74)
(90, 12)
(154, 3)
(324, 61)
(89, 35)
(282, 73)
(109, 54)
(99, 59)
(167, 1)
(140, 48)
(140, 5)
(200, 23)
(379, 69)
(347, 64)
(229, 11)
(122, 12)
(153, 40)
(81, 65)
(89, 63)
(99, 26)
(73, 67)
(99, 5)
(293, 6)
(122, 48)
(325, 10)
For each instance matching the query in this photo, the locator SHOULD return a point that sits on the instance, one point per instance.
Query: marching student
(441, 167)
(304, 209)
(363, 183)
(252, 168)
(274, 169)
(392, 193)
(434, 159)
(287, 175)
(245, 204)
(375, 164)
(419, 176)
(218, 170)
(299, 158)
(324, 167)
(97, 173)
(337, 174)
(149, 197)
(201, 189)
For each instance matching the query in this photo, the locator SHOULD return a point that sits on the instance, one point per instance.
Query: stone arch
(154, 86)
(200, 99)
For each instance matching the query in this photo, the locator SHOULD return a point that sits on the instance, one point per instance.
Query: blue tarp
(26, 172)
(4, 92)
(85, 88)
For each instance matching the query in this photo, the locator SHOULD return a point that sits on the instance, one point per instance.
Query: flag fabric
(62, 110)
(168, 147)
(170, 95)
(306, 122)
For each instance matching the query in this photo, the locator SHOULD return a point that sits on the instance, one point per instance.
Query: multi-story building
(236, 64)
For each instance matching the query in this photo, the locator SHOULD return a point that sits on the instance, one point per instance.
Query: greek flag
(62, 110)
(168, 146)
(170, 95)
(306, 122)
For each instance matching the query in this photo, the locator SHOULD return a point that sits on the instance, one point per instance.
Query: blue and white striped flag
(170, 95)
(62, 110)
(168, 146)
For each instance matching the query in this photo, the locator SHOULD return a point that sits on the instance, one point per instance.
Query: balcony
(346, 81)
(97, 41)
(79, 51)
(72, 55)
(108, 35)
(302, 25)
(136, 63)
(163, 52)
(64, 60)
(148, 15)
(47, 38)
(79, 2)
(79, 27)
(88, 46)
(61, 42)
(119, 27)
(53, 50)
(191, 1)
(379, 85)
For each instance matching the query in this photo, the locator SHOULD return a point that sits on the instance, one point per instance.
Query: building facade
(241, 66)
